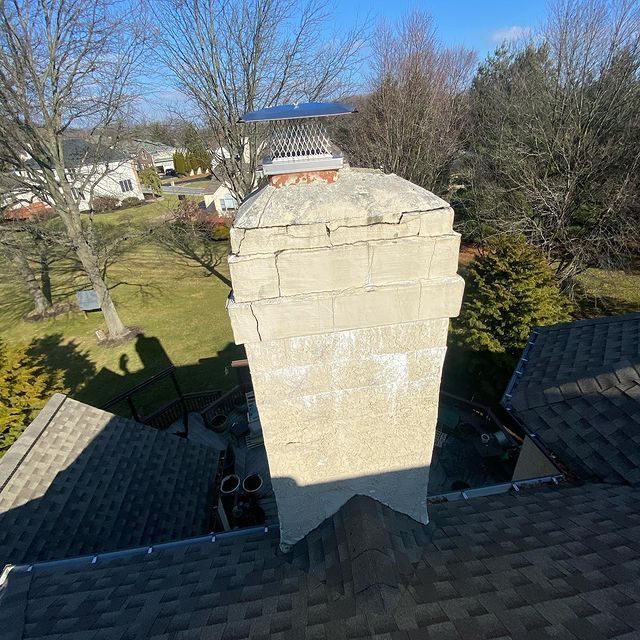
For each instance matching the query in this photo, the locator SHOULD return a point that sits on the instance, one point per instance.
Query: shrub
(150, 178)
(100, 204)
(179, 162)
(510, 290)
(221, 232)
(25, 385)
(129, 202)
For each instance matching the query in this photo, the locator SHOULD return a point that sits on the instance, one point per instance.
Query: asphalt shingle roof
(558, 562)
(579, 392)
(80, 480)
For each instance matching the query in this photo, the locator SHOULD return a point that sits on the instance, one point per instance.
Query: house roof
(544, 563)
(577, 389)
(134, 145)
(81, 480)
(79, 153)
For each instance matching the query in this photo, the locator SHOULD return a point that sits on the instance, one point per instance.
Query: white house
(93, 172)
(218, 198)
(147, 153)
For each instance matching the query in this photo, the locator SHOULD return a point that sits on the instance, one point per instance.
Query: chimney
(344, 281)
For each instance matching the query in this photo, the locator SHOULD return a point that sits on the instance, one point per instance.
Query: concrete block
(294, 316)
(275, 239)
(425, 364)
(445, 257)
(403, 260)
(253, 277)
(243, 322)
(376, 306)
(322, 269)
(436, 223)
(406, 227)
(236, 236)
(441, 298)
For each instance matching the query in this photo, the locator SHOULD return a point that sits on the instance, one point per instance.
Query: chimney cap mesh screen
(300, 141)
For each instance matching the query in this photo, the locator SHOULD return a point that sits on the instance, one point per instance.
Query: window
(228, 203)
(126, 185)
(77, 194)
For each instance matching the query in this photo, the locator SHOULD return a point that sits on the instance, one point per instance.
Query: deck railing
(223, 405)
(166, 415)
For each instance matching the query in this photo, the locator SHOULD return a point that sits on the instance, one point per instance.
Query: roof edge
(19, 450)
(625, 317)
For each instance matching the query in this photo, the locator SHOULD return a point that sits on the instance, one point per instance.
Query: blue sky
(477, 24)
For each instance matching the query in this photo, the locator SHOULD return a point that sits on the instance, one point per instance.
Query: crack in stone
(257, 324)
(275, 260)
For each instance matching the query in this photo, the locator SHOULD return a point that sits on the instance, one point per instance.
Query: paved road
(186, 191)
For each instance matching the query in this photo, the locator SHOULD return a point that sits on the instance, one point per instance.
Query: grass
(603, 293)
(180, 307)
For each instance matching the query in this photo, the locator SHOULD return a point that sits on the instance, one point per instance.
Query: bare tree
(236, 56)
(413, 120)
(555, 147)
(11, 249)
(66, 65)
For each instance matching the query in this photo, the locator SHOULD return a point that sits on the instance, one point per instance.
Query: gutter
(78, 561)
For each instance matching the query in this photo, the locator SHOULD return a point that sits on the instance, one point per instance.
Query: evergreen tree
(25, 387)
(150, 178)
(510, 290)
(179, 162)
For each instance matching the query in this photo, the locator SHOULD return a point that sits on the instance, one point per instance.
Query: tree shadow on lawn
(96, 387)
(56, 353)
(589, 305)
(206, 374)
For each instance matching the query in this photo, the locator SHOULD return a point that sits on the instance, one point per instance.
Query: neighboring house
(576, 391)
(147, 153)
(219, 198)
(94, 172)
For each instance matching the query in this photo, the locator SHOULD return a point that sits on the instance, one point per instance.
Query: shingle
(559, 562)
(589, 375)
(91, 482)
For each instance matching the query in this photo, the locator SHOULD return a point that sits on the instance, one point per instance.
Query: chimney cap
(298, 111)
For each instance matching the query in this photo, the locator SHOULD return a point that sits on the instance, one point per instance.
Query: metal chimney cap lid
(298, 111)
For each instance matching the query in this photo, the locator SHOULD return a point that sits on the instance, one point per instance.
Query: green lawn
(603, 293)
(179, 306)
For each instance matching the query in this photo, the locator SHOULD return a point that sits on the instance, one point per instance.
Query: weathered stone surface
(327, 269)
(407, 225)
(357, 197)
(254, 277)
(441, 298)
(298, 315)
(445, 256)
(314, 313)
(344, 294)
(400, 260)
(274, 239)
(335, 424)
(376, 306)
(352, 345)
(243, 322)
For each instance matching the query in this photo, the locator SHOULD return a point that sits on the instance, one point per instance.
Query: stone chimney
(342, 294)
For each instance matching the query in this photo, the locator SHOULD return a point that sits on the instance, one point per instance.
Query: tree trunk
(115, 326)
(45, 278)
(40, 302)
